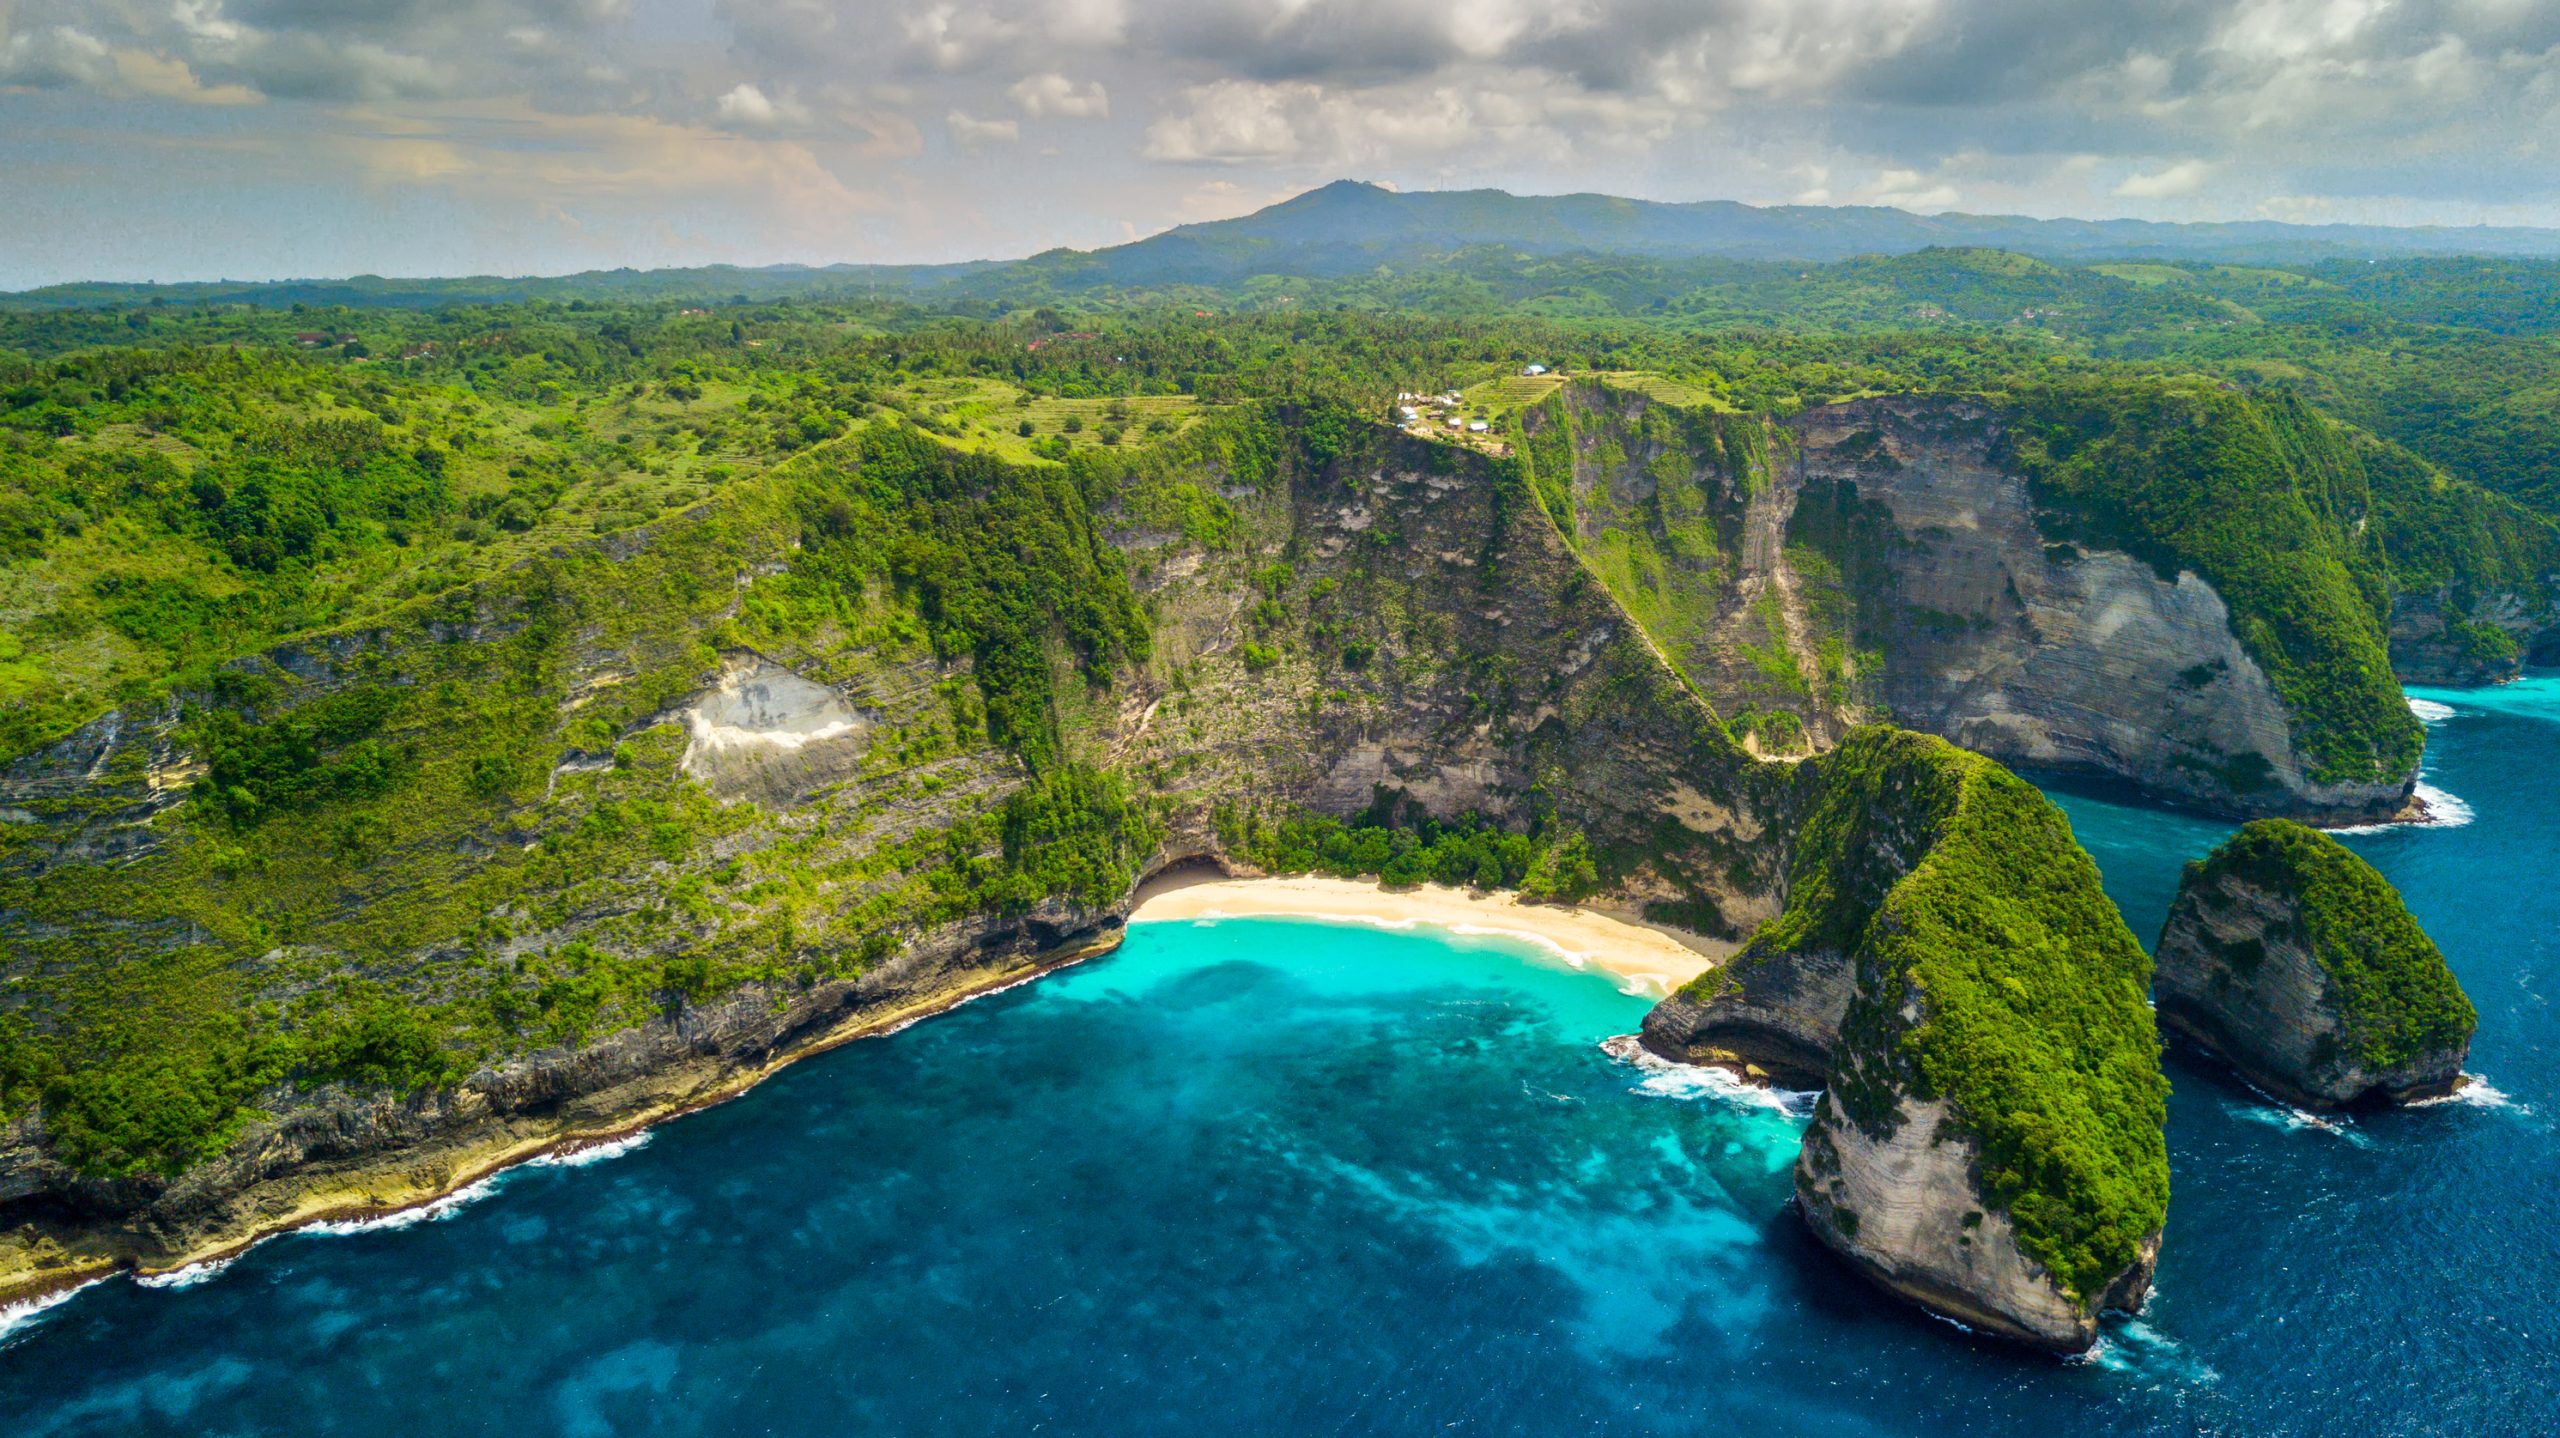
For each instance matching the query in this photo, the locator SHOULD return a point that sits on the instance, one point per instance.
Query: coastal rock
(1397, 627)
(1771, 1018)
(1887, 556)
(1468, 665)
(1903, 1203)
(2049, 655)
(2435, 641)
(1988, 1145)
(2295, 961)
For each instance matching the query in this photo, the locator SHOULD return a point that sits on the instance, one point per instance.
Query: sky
(256, 139)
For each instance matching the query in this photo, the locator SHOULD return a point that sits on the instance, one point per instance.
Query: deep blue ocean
(1264, 1177)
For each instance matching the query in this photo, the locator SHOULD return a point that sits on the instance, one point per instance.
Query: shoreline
(1650, 960)
(1647, 960)
(467, 1163)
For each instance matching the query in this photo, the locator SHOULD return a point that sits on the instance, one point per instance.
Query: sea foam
(1665, 1079)
(192, 1274)
(580, 1155)
(15, 1316)
(2295, 1120)
(2476, 1092)
(2429, 711)
(2445, 810)
(428, 1212)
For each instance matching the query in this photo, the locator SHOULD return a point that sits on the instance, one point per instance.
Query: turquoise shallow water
(1280, 1177)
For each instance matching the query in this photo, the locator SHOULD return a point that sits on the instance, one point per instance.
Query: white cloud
(1083, 114)
(1041, 96)
(56, 56)
(1231, 122)
(746, 105)
(1910, 190)
(972, 133)
(2184, 178)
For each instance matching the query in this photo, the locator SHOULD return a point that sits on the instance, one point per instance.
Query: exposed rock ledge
(2295, 961)
(1904, 1208)
(364, 1154)
(1934, 903)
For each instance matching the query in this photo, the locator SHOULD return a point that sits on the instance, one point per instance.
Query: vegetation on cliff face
(1001, 561)
(428, 606)
(1405, 848)
(2269, 504)
(2396, 997)
(1957, 885)
(442, 844)
(1657, 499)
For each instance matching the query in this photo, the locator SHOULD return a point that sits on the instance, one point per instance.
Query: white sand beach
(1647, 958)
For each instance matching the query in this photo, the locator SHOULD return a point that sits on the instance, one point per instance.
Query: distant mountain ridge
(1349, 212)
(1351, 227)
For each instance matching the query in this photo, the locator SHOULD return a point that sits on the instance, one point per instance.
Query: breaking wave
(14, 1316)
(2476, 1092)
(191, 1275)
(2132, 1346)
(2297, 1120)
(2429, 711)
(580, 1155)
(427, 1212)
(2445, 810)
(1666, 1079)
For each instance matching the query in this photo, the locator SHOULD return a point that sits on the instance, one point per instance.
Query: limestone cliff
(1888, 557)
(2434, 640)
(1987, 1145)
(2293, 960)
(601, 839)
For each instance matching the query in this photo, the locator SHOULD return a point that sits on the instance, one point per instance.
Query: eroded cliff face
(1923, 928)
(787, 805)
(2319, 998)
(2044, 654)
(1902, 1203)
(1392, 622)
(1771, 1019)
(2433, 641)
(1884, 561)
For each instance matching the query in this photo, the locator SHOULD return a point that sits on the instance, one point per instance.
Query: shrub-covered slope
(2168, 583)
(2295, 960)
(513, 858)
(1990, 1140)
(409, 896)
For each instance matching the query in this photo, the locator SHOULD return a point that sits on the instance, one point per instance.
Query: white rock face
(2055, 656)
(2236, 974)
(1963, 618)
(1905, 1210)
(767, 733)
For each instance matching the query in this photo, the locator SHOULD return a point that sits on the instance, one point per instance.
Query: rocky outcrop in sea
(2294, 961)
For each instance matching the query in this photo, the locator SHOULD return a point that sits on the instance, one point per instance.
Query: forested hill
(1351, 228)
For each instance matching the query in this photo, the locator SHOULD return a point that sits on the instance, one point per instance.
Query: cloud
(1910, 190)
(1041, 96)
(746, 106)
(2184, 178)
(165, 78)
(55, 57)
(1231, 122)
(971, 133)
(2419, 110)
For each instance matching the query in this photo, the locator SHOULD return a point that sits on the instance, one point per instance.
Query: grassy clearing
(987, 417)
(2146, 276)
